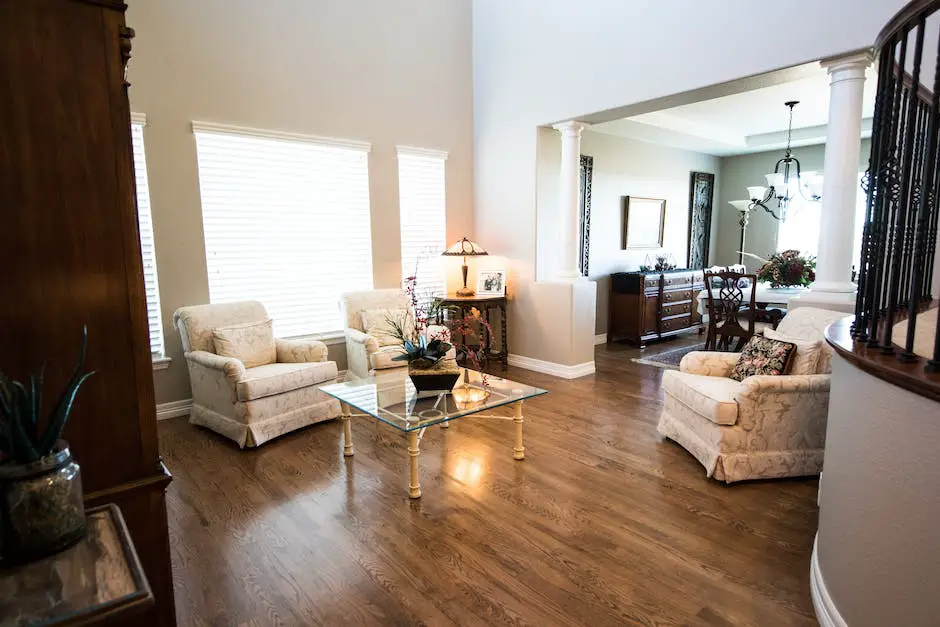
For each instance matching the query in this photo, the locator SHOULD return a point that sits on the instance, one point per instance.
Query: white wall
(384, 72)
(536, 62)
(622, 167)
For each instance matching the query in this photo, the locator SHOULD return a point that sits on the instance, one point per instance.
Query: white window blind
(145, 226)
(423, 218)
(286, 222)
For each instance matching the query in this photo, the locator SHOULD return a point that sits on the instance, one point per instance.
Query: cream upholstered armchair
(368, 352)
(252, 405)
(762, 427)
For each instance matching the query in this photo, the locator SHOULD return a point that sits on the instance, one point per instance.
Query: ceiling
(746, 122)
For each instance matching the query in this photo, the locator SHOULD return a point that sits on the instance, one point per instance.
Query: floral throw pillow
(762, 355)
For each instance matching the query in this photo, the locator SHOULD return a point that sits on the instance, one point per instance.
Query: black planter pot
(440, 377)
(41, 506)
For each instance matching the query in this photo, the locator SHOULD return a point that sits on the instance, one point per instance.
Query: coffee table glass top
(393, 399)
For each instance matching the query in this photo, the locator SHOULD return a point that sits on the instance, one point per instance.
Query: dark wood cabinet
(70, 254)
(647, 306)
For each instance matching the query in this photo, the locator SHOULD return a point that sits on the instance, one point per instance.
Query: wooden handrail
(903, 18)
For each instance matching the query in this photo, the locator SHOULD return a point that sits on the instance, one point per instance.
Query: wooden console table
(485, 304)
(98, 581)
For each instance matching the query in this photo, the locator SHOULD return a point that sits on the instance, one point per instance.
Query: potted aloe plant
(41, 508)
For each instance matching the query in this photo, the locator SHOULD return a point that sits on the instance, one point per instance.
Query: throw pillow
(375, 322)
(251, 343)
(762, 355)
(808, 352)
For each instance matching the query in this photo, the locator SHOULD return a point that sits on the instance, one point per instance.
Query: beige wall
(622, 167)
(384, 72)
(737, 173)
(879, 502)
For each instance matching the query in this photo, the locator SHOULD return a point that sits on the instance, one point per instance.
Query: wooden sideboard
(648, 306)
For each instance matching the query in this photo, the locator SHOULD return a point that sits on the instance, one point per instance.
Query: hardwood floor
(603, 523)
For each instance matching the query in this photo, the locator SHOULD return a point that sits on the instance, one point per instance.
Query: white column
(833, 286)
(570, 182)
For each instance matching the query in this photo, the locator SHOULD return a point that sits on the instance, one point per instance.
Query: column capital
(571, 127)
(849, 66)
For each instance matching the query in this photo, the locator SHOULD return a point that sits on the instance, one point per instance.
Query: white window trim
(212, 127)
(161, 363)
(421, 152)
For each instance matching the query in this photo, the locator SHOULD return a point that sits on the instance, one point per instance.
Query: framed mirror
(644, 221)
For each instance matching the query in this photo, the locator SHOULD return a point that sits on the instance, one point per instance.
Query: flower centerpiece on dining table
(788, 269)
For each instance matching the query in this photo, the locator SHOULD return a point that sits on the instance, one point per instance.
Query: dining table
(765, 295)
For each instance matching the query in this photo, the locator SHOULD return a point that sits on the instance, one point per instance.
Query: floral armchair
(252, 405)
(759, 428)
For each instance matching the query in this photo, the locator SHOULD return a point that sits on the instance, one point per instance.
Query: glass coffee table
(392, 399)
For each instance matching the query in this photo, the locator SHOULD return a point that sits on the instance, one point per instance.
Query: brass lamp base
(465, 291)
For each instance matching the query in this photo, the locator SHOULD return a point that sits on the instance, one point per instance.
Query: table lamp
(465, 248)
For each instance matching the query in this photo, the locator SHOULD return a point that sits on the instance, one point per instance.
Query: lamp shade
(740, 205)
(465, 248)
(756, 192)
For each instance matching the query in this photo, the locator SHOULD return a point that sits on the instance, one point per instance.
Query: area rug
(669, 359)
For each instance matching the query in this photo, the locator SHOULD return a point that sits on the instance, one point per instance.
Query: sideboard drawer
(676, 280)
(677, 309)
(677, 296)
(676, 324)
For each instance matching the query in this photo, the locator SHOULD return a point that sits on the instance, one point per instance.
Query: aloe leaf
(58, 419)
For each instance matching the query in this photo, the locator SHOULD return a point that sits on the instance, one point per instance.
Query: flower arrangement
(662, 263)
(788, 269)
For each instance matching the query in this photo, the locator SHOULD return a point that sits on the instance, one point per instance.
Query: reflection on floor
(604, 523)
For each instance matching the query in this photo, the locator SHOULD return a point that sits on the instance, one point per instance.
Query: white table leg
(414, 488)
(518, 451)
(347, 432)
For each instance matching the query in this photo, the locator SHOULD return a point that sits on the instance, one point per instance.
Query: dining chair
(732, 303)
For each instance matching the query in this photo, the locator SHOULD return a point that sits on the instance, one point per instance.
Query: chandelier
(786, 181)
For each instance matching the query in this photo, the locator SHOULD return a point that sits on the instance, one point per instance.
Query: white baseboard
(600, 338)
(826, 611)
(174, 409)
(548, 367)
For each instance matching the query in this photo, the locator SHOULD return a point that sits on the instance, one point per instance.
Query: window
(145, 226)
(801, 230)
(286, 222)
(423, 218)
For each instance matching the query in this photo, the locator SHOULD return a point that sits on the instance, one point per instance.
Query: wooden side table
(98, 581)
(485, 304)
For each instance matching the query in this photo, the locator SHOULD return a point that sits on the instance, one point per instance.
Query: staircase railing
(899, 237)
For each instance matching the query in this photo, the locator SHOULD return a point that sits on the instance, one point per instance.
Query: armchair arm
(709, 363)
(358, 337)
(359, 346)
(300, 351)
(795, 403)
(233, 369)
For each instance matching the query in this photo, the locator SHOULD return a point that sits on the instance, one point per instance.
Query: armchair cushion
(299, 351)
(763, 356)
(272, 379)
(376, 323)
(714, 398)
(252, 343)
(381, 359)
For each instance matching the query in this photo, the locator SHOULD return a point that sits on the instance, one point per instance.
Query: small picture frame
(491, 283)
